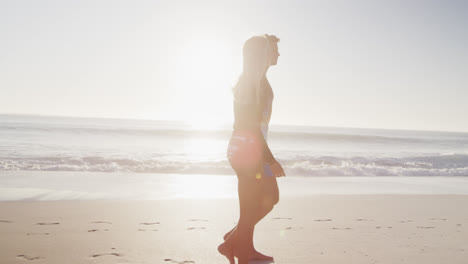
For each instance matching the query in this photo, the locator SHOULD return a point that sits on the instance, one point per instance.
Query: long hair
(256, 58)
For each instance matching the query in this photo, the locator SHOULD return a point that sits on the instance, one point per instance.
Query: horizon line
(187, 122)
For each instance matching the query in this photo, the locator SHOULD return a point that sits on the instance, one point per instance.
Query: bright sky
(379, 64)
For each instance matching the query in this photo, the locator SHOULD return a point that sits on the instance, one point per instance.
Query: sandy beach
(127, 126)
(309, 229)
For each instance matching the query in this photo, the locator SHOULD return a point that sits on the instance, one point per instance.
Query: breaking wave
(442, 165)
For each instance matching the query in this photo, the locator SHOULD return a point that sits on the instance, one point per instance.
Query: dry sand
(311, 229)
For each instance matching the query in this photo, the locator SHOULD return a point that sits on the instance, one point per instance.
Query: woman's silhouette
(248, 152)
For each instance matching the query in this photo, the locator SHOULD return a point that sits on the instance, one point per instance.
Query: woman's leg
(249, 192)
(269, 196)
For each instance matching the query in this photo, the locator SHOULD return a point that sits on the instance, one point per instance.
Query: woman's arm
(269, 158)
(275, 167)
(260, 104)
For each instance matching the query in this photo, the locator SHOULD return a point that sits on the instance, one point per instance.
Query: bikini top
(256, 117)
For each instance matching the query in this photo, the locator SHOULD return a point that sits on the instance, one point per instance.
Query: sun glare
(204, 123)
(205, 75)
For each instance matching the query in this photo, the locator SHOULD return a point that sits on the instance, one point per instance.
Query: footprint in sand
(180, 262)
(322, 220)
(50, 223)
(378, 227)
(425, 227)
(279, 218)
(406, 221)
(440, 219)
(195, 220)
(192, 228)
(147, 229)
(344, 228)
(153, 223)
(106, 254)
(100, 222)
(32, 234)
(28, 257)
(362, 219)
(293, 228)
(5, 221)
(95, 230)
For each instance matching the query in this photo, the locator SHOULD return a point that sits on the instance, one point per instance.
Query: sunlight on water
(205, 123)
(200, 149)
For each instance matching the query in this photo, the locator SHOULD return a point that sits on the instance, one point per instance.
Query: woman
(248, 151)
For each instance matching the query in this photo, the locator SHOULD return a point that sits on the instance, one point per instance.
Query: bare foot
(254, 255)
(259, 256)
(227, 251)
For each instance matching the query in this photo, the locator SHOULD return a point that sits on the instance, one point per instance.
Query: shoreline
(48, 186)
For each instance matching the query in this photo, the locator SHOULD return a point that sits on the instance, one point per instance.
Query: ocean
(64, 158)
(41, 143)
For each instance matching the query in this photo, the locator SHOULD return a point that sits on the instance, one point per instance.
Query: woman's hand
(277, 169)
